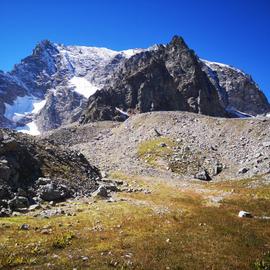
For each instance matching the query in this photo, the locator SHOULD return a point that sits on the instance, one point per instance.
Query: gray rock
(203, 175)
(18, 202)
(24, 227)
(266, 144)
(163, 145)
(101, 192)
(53, 192)
(43, 181)
(34, 207)
(5, 192)
(5, 212)
(218, 169)
(243, 170)
(244, 214)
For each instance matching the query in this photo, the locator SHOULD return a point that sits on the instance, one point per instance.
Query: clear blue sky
(236, 32)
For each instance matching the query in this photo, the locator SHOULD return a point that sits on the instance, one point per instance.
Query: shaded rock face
(237, 90)
(24, 160)
(166, 79)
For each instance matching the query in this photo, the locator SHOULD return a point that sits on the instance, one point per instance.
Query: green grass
(153, 153)
(170, 228)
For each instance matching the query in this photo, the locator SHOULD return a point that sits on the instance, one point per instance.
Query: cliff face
(165, 79)
(236, 89)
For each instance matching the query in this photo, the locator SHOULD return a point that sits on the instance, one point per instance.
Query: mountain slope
(61, 78)
(51, 87)
(236, 89)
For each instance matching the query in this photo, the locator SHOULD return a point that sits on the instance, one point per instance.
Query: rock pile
(32, 171)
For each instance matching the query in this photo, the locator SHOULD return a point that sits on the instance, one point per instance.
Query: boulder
(5, 192)
(18, 202)
(34, 207)
(244, 214)
(218, 169)
(243, 170)
(203, 175)
(5, 212)
(53, 192)
(101, 192)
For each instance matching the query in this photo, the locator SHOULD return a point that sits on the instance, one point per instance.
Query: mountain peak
(177, 41)
(43, 46)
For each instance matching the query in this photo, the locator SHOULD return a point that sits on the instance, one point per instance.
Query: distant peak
(178, 41)
(44, 45)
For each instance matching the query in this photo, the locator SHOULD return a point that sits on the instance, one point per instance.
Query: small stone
(203, 175)
(244, 214)
(101, 192)
(34, 207)
(163, 145)
(85, 258)
(243, 170)
(24, 227)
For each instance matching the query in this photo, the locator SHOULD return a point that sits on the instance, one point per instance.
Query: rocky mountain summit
(51, 87)
(166, 79)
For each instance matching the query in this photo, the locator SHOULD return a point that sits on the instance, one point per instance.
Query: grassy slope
(170, 228)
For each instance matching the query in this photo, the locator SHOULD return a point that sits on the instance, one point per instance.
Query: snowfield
(22, 107)
(83, 87)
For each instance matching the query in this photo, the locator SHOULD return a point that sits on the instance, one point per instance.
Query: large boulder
(5, 192)
(53, 192)
(18, 202)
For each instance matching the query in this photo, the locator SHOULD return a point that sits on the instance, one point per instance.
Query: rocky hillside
(32, 170)
(174, 145)
(51, 87)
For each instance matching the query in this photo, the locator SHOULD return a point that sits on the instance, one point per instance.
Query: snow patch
(212, 65)
(122, 112)
(30, 128)
(26, 106)
(23, 106)
(238, 113)
(38, 106)
(129, 53)
(83, 87)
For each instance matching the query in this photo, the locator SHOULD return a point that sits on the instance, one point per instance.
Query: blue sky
(235, 32)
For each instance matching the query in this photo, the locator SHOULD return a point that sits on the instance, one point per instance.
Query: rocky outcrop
(237, 90)
(37, 169)
(166, 79)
